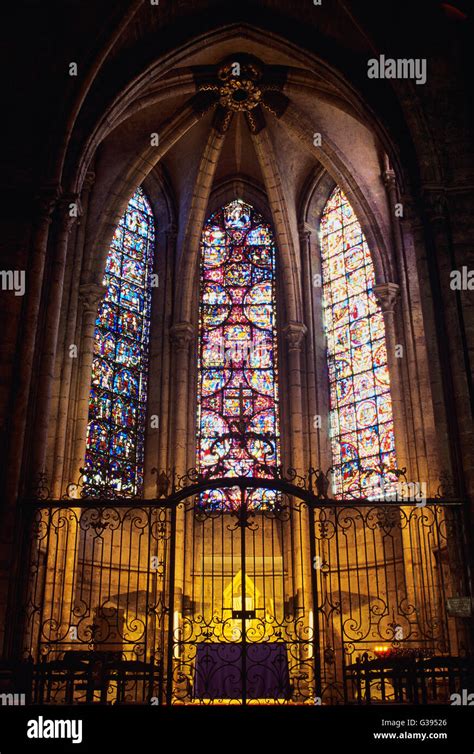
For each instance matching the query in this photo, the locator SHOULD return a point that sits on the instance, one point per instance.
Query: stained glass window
(115, 437)
(238, 431)
(361, 422)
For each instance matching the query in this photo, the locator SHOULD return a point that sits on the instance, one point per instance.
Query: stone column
(69, 211)
(398, 399)
(62, 563)
(449, 320)
(399, 557)
(90, 295)
(454, 370)
(387, 295)
(181, 337)
(390, 182)
(71, 314)
(314, 451)
(164, 449)
(294, 333)
(46, 203)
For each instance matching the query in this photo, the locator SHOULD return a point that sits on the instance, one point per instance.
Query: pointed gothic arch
(118, 395)
(238, 427)
(361, 417)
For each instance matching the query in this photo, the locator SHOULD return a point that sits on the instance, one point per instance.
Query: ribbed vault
(267, 125)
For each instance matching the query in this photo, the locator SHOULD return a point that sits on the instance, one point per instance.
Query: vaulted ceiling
(291, 105)
(150, 52)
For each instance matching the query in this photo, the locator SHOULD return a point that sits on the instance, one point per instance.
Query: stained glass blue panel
(116, 430)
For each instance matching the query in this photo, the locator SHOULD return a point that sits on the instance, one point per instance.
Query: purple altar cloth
(219, 671)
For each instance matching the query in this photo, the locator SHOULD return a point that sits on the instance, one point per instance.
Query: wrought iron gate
(176, 601)
(246, 631)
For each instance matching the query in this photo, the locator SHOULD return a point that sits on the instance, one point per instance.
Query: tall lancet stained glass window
(238, 430)
(115, 437)
(361, 422)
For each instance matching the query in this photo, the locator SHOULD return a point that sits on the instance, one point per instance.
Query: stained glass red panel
(238, 429)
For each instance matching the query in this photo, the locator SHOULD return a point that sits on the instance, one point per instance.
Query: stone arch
(329, 83)
(411, 409)
(243, 187)
(138, 168)
(135, 97)
(92, 149)
(66, 445)
(218, 33)
(314, 200)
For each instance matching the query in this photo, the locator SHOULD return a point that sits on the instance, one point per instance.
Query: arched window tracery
(117, 406)
(238, 424)
(361, 420)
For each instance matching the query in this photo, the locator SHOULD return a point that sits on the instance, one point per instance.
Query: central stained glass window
(116, 430)
(361, 422)
(238, 429)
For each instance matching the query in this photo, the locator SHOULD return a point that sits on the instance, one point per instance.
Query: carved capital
(70, 210)
(294, 333)
(46, 201)
(89, 181)
(181, 335)
(435, 202)
(304, 233)
(171, 233)
(387, 295)
(90, 295)
(389, 179)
